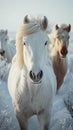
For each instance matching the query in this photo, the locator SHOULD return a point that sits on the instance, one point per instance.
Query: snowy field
(62, 111)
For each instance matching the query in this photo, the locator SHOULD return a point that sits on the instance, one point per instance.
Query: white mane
(31, 27)
(63, 26)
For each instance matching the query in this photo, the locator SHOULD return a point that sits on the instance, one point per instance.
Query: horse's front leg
(21, 120)
(44, 120)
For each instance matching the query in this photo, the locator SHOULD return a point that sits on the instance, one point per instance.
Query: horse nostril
(39, 75)
(64, 51)
(36, 77)
(2, 52)
(32, 75)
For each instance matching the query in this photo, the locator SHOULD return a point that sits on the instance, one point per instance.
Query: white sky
(13, 11)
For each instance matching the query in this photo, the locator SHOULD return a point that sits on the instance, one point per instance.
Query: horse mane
(60, 30)
(27, 27)
(63, 26)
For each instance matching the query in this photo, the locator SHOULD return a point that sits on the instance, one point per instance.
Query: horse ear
(44, 22)
(68, 28)
(26, 19)
(56, 27)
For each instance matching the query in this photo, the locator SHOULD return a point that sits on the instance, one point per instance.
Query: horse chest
(32, 100)
(59, 66)
(38, 104)
(35, 99)
(60, 69)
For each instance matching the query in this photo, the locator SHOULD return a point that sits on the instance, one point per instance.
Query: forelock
(63, 26)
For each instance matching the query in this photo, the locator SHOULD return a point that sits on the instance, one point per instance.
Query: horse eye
(24, 43)
(45, 43)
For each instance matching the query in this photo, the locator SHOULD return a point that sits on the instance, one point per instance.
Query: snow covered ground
(62, 111)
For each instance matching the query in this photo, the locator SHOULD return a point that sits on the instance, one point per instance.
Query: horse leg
(21, 120)
(44, 120)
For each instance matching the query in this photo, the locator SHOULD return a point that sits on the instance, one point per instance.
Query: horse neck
(53, 51)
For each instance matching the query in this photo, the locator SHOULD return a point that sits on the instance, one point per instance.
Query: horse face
(35, 54)
(62, 38)
(3, 39)
(62, 44)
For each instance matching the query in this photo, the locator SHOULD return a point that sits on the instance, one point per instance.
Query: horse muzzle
(2, 52)
(63, 51)
(36, 78)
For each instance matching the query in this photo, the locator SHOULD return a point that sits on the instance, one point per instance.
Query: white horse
(31, 82)
(6, 48)
(58, 51)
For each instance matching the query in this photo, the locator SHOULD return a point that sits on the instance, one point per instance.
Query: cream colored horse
(31, 88)
(58, 51)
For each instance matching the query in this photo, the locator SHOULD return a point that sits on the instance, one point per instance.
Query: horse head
(32, 46)
(62, 38)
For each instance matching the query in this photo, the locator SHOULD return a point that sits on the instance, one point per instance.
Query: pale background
(13, 11)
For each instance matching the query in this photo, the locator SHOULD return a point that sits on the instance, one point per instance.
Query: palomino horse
(58, 52)
(32, 82)
(6, 48)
